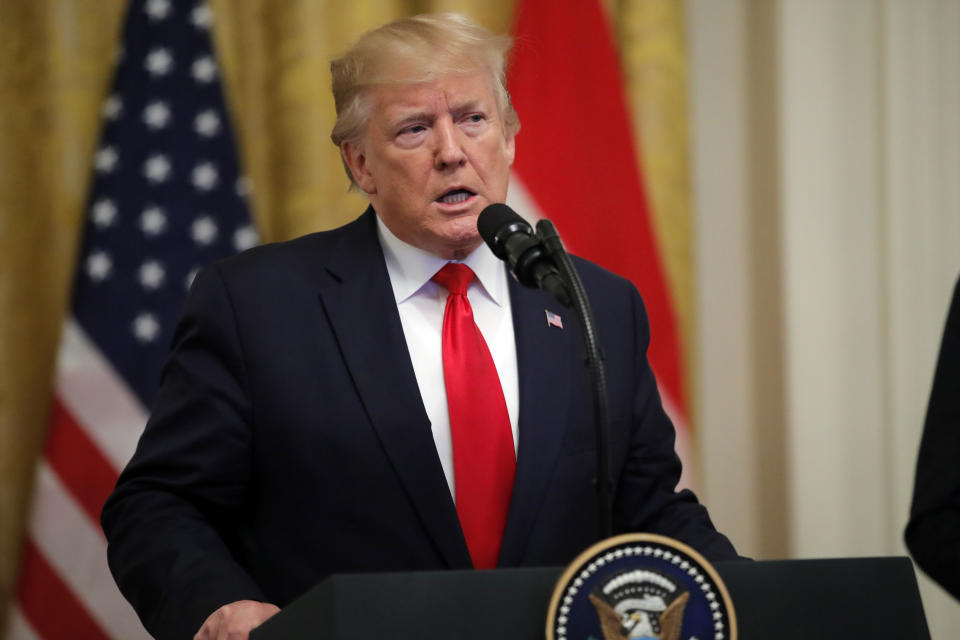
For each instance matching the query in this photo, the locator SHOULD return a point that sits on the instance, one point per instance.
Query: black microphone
(511, 238)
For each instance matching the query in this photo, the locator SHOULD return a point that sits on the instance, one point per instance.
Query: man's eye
(413, 129)
(475, 117)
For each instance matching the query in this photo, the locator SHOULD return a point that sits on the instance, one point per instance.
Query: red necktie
(483, 453)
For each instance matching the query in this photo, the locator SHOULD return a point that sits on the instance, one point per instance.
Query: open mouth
(455, 196)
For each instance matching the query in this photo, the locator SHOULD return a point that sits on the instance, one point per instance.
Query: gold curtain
(55, 64)
(652, 41)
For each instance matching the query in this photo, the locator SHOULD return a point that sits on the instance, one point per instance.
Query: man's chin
(458, 246)
(459, 251)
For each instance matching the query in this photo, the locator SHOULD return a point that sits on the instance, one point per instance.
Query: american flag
(554, 319)
(166, 198)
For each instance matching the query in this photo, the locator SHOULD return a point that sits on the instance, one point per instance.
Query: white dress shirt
(421, 303)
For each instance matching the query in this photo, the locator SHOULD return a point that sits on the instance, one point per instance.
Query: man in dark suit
(312, 418)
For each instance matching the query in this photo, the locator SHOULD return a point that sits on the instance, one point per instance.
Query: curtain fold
(55, 60)
(652, 41)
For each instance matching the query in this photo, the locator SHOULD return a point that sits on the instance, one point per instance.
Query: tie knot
(454, 277)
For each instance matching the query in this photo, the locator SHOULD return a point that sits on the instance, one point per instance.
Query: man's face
(431, 157)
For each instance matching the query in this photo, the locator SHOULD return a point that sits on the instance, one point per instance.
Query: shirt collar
(411, 268)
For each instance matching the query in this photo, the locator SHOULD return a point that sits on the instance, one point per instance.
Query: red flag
(576, 164)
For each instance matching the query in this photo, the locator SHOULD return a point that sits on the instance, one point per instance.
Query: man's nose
(449, 152)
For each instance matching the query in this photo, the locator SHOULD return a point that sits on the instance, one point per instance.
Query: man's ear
(356, 161)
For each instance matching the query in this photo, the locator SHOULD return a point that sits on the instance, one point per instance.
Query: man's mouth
(455, 196)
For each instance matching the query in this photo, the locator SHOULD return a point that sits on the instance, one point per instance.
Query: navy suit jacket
(288, 440)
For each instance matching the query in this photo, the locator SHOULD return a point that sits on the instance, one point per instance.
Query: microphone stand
(594, 362)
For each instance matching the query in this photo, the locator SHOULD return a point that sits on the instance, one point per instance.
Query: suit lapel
(359, 302)
(545, 356)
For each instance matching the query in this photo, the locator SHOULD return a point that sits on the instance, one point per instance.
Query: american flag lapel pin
(553, 319)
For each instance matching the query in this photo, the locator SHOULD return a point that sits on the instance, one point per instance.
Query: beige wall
(826, 152)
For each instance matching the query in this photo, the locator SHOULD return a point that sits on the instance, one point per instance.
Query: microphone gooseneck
(539, 260)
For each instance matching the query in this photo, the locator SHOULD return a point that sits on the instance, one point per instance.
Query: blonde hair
(412, 50)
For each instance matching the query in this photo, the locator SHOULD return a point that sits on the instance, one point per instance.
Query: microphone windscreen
(497, 221)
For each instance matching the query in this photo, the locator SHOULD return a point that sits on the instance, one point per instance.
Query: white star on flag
(207, 123)
(242, 186)
(204, 176)
(99, 266)
(112, 107)
(157, 9)
(153, 220)
(156, 115)
(203, 230)
(157, 168)
(104, 213)
(245, 237)
(204, 69)
(146, 327)
(201, 17)
(151, 275)
(105, 159)
(159, 62)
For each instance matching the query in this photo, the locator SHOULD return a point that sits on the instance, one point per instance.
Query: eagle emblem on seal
(640, 604)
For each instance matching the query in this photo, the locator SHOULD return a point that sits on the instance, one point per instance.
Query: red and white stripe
(65, 589)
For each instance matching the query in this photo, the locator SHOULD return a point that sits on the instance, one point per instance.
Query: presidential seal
(640, 587)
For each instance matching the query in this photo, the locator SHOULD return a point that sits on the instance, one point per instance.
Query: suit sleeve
(646, 490)
(170, 519)
(933, 533)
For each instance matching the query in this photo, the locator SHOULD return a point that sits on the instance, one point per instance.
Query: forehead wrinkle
(405, 109)
(441, 95)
